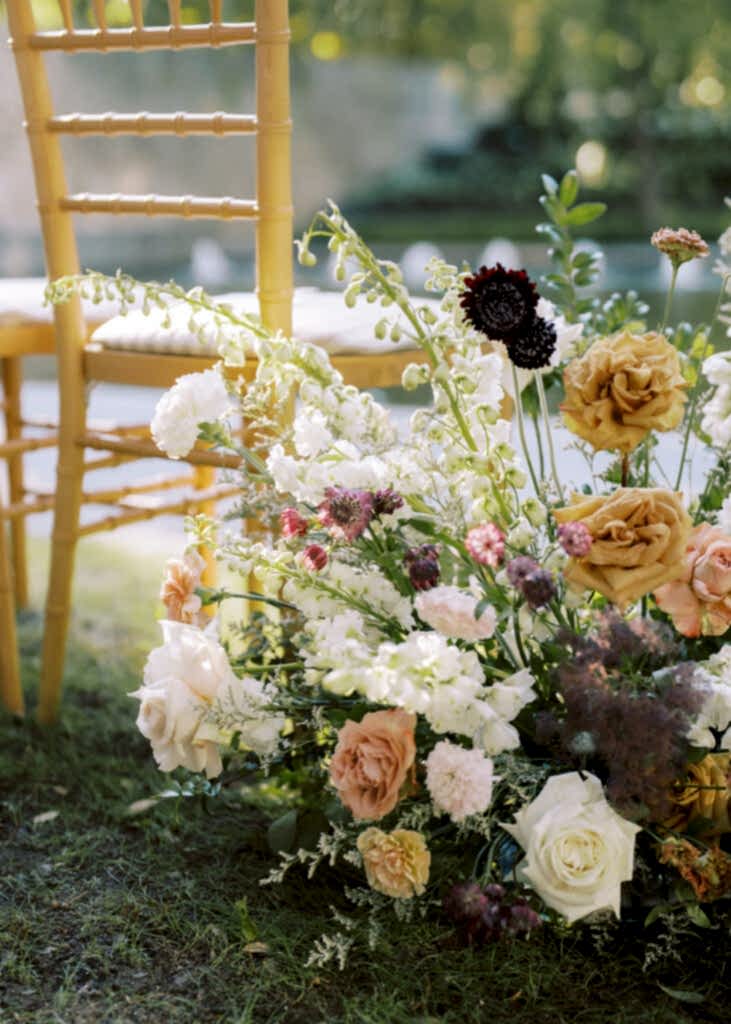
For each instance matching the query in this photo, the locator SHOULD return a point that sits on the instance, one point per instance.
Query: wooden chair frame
(79, 363)
(271, 210)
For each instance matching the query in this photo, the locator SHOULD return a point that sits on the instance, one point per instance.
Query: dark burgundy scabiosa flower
(486, 544)
(292, 524)
(575, 539)
(385, 502)
(498, 302)
(520, 567)
(484, 915)
(535, 584)
(533, 346)
(314, 558)
(346, 513)
(423, 566)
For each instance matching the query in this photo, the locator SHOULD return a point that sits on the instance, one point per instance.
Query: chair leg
(12, 382)
(11, 693)
(69, 480)
(205, 477)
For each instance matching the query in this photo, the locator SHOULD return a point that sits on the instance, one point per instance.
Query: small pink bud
(314, 558)
(292, 523)
(575, 539)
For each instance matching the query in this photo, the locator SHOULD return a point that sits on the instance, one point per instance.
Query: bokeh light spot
(326, 46)
(591, 162)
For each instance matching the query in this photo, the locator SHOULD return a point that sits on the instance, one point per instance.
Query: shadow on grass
(117, 919)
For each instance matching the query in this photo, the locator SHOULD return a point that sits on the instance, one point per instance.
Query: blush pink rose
(372, 760)
(699, 603)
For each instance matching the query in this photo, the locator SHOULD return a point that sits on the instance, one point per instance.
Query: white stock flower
(242, 706)
(713, 678)
(194, 398)
(311, 434)
(451, 612)
(459, 781)
(716, 421)
(578, 850)
(181, 680)
(367, 586)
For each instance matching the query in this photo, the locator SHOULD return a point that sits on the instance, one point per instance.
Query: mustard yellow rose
(396, 863)
(623, 387)
(705, 793)
(639, 536)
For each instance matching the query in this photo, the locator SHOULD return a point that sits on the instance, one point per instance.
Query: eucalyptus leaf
(585, 213)
(682, 995)
(569, 189)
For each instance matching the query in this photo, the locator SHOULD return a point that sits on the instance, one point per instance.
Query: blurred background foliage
(635, 93)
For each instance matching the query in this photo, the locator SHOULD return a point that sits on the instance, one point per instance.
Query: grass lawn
(111, 918)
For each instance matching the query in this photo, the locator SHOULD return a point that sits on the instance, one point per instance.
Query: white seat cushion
(321, 318)
(21, 300)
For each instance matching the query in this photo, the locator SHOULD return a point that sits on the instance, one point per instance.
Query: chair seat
(319, 317)
(21, 302)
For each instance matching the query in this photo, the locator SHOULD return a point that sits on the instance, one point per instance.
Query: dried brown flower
(680, 244)
(708, 871)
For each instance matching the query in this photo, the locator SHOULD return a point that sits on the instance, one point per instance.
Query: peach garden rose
(699, 599)
(372, 760)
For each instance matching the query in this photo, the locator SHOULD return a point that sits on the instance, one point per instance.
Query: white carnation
(459, 781)
(451, 612)
(194, 398)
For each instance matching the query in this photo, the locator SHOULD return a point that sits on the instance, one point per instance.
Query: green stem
(539, 444)
(549, 438)
(521, 429)
(669, 299)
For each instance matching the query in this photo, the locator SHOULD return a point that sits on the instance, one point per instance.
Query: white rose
(451, 612)
(194, 398)
(578, 850)
(181, 680)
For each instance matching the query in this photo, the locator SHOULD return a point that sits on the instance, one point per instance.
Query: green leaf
(247, 927)
(655, 913)
(682, 995)
(281, 833)
(553, 208)
(569, 188)
(698, 916)
(480, 607)
(549, 184)
(585, 213)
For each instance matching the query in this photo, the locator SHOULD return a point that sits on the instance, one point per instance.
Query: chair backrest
(271, 208)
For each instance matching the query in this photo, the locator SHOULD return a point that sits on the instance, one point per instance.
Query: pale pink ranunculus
(372, 760)
(699, 603)
(178, 591)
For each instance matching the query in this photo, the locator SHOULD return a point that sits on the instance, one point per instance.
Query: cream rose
(578, 850)
(396, 863)
(622, 388)
(181, 680)
(639, 535)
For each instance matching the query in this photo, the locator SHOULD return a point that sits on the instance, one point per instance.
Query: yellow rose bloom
(396, 863)
(623, 387)
(639, 539)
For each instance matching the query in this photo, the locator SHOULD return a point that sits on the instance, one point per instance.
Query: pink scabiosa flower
(575, 538)
(486, 544)
(346, 513)
(314, 558)
(680, 244)
(292, 524)
(423, 566)
(499, 303)
(386, 502)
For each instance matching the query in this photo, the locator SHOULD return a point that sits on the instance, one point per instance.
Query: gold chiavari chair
(115, 355)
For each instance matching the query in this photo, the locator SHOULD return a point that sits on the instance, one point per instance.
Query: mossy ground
(117, 919)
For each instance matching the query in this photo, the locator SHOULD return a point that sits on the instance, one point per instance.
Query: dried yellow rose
(639, 539)
(623, 387)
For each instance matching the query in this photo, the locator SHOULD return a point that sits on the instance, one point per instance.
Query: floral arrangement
(495, 681)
